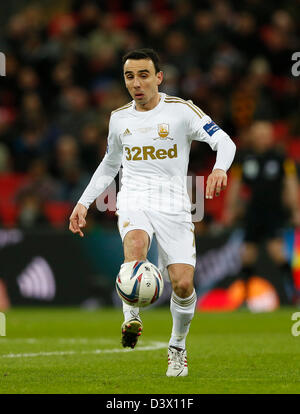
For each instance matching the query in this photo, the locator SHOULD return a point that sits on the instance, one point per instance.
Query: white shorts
(174, 235)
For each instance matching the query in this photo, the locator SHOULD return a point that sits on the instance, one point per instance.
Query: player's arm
(291, 190)
(103, 176)
(225, 147)
(202, 128)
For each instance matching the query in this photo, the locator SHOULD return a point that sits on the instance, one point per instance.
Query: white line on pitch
(58, 340)
(154, 346)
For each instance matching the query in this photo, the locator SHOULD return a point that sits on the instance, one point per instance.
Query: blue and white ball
(139, 283)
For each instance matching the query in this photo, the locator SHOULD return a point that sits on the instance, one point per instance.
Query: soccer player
(151, 137)
(273, 201)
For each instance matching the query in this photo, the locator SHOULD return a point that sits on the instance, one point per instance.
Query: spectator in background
(279, 42)
(92, 147)
(74, 110)
(206, 37)
(88, 16)
(39, 136)
(67, 168)
(107, 34)
(31, 214)
(244, 36)
(28, 146)
(32, 112)
(155, 30)
(252, 98)
(183, 15)
(179, 51)
(40, 183)
(66, 156)
(171, 86)
(62, 76)
(27, 81)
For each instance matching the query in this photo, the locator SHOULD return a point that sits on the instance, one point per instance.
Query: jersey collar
(151, 111)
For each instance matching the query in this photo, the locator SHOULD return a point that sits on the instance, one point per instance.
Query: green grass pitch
(67, 351)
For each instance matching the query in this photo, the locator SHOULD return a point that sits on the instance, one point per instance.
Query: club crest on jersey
(163, 131)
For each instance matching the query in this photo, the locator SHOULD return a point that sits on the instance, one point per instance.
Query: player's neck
(151, 104)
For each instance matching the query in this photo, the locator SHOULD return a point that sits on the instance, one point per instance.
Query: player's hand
(77, 219)
(216, 182)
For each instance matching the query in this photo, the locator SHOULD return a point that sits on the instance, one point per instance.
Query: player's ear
(160, 77)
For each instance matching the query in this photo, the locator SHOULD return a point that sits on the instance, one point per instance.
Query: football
(139, 283)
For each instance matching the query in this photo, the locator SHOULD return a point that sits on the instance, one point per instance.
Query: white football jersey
(153, 147)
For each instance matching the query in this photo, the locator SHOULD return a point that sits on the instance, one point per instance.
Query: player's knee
(183, 287)
(138, 244)
(136, 247)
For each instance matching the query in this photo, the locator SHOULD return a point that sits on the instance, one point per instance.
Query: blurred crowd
(64, 77)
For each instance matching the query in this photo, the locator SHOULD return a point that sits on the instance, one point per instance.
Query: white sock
(182, 310)
(130, 312)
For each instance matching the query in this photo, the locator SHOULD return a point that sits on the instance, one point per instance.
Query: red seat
(293, 149)
(280, 131)
(10, 183)
(58, 212)
(8, 213)
(215, 207)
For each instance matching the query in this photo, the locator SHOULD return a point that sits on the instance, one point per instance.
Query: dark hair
(143, 54)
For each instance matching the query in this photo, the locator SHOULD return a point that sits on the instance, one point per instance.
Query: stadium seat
(280, 131)
(293, 149)
(214, 207)
(10, 183)
(8, 213)
(58, 212)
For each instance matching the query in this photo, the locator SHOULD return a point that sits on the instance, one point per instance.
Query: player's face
(142, 82)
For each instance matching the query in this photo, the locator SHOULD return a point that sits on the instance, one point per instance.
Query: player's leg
(249, 253)
(254, 227)
(183, 302)
(135, 245)
(136, 233)
(276, 250)
(177, 254)
(182, 306)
